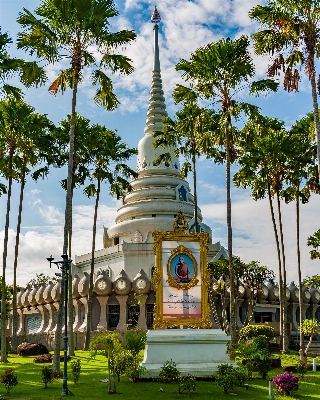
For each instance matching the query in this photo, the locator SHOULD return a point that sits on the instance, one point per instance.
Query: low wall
(48, 339)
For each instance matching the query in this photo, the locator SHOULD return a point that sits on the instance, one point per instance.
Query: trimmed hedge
(252, 331)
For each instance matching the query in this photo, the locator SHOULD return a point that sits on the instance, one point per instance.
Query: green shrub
(169, 372)
(9, 379)
(75, 370)
(135, 371)
(229, 377)
(254, 356)
(262, 363)
(260, 342)
(187, 383)
(251, 331)
(136, 340)
(46, 375)
(120, 362)
(301, 369)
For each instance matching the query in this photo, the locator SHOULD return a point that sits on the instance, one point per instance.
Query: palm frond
(262, 86)
(104, 95)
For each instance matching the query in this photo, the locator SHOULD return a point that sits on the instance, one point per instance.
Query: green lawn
(90, 387)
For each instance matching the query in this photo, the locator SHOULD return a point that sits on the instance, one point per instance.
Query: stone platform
(195, 351)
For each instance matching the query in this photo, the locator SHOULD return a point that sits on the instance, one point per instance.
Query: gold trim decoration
(159, 320)
(194, 280)
(180, 224)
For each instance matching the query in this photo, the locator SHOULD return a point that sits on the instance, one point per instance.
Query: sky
(185, 26)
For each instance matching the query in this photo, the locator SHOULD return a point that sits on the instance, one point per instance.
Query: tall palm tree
(300, 181)
(83, 157)
(108, 166)
(265, 165)
(13, 114)
(291, 26)
(35, 147)
(217, 72)
(73, 27)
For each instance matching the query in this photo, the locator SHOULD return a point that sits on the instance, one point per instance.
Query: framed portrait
(182, 268)
(181, 280)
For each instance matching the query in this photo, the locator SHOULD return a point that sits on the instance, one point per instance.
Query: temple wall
(114, 310)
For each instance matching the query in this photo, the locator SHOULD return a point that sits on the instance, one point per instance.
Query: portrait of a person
(182, 271)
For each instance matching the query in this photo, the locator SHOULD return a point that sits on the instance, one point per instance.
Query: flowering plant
(286, 383)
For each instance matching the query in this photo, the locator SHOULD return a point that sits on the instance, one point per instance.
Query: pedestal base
(195, 351)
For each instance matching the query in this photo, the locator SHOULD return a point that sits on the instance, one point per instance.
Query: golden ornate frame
(194, 280)
(202, 238)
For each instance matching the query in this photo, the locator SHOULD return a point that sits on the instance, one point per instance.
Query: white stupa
(157, 195)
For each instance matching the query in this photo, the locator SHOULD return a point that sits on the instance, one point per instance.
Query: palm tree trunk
(70, 299)
(195, 193)
(4, 357)
(231, 273)
(279, 260)
(14, 340)
(90, 294)
(316, 116)
(302, 347)
(285, 346)
(67, 224)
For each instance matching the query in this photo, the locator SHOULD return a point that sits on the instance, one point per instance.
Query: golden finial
(155, 19)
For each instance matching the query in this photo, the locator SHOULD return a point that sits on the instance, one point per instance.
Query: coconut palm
(74, 27)
(217, 72)
(107, 166)
(291, 26)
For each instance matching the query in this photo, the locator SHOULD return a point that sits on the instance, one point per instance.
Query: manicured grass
(90, 387)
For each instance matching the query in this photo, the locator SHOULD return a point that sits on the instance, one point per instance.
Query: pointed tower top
(155, 19)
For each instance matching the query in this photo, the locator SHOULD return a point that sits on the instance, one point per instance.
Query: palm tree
(12, 117)
(83, 157)
(28, 71)
(35, 146)
(217, 72)
(184, 134)
(300, 183)
(264, 168)
(73, 27)
(109, 155)
(292, 26)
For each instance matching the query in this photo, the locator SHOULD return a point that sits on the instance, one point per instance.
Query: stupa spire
(157, 106)
(155, 19)
(147, 154)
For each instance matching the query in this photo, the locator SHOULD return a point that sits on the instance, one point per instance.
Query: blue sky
(185, 26)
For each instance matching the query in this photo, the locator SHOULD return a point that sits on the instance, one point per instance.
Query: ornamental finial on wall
(180, 224)
(155, 19)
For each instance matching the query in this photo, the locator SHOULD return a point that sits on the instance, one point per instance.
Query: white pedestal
(195, 351)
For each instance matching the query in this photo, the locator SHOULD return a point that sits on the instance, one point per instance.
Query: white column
(103, 324)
